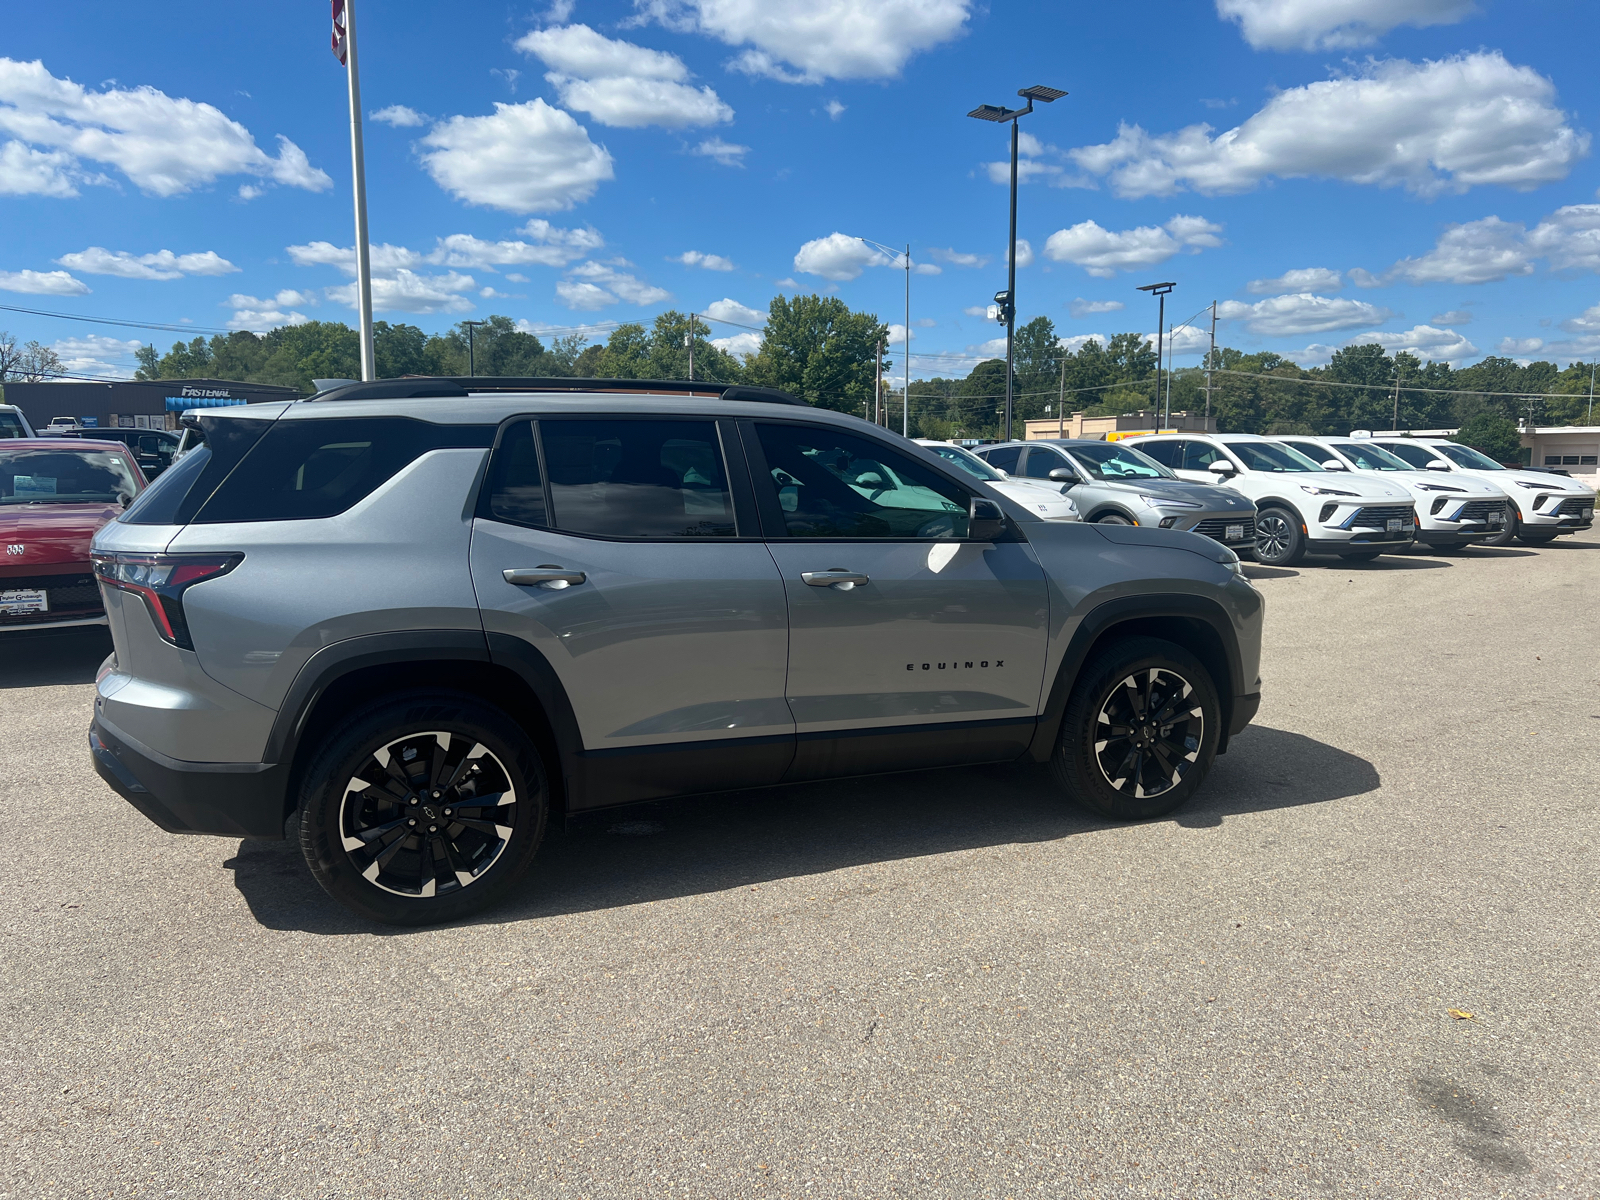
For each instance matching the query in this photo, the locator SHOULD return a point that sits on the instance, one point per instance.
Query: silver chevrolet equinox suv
(433, 615)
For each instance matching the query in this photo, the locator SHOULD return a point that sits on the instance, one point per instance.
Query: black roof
(462, 385)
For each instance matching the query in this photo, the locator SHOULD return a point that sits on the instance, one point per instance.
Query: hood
(1366, 487)
(1176, 539)
(1214, 498)
(51, 534)
(1470, 485)
(1550, 483)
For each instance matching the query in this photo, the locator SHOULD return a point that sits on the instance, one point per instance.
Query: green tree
(1132, 358)
(1494, 435)
(1037, 357)
(820, 350)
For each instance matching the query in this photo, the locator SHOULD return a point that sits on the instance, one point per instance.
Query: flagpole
(359, 170)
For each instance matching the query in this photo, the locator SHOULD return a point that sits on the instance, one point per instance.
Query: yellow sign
(1120, 434)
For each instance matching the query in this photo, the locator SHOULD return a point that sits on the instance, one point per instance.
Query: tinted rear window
(158, 503)
(304, 470)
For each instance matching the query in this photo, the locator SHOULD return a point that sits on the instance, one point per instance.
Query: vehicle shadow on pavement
(53, 656)
(695, 846)
(1252, 571)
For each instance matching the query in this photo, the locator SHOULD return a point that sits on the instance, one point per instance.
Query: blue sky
(1420, 170)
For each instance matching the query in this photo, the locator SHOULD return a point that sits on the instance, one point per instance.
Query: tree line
(820, 349)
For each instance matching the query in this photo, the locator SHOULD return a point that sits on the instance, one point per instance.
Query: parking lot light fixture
(905, 400)
(1159, 290)
(999, 114)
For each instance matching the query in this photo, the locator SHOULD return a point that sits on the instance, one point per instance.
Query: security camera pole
(1160, 291)
(344, 49)
(1007, 300)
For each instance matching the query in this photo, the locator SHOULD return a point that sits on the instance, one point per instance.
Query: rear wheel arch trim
(1104, 619)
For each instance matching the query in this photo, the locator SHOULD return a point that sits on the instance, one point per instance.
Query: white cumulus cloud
(729, 154)
(957, 258)
(398, 116)
(740, 345)
(838, 257)
(1431, 127)
(1078, 340)
(1081, 308)
(95, 354)
(619, 83)
(1102, 252)
(822, 39)
(734, 312)
(410, 292)
(163, 264)
(164, 145)
(1424, 341)
(1333, 24)
(706, 262)
(1490, 249)
(258, 315)
(42, 283)
(1302, 313)
(594, 285)
(1303, 279)
(522, 158)
(1456, 316)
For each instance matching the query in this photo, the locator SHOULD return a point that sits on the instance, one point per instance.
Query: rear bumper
(63, 623)
(245, 800)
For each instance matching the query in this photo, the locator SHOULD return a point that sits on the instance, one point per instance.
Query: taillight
(161, 580)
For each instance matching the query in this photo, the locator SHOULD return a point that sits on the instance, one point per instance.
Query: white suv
(1543, 506)
(1047, 499)
(1450, 512)
(1300, 507)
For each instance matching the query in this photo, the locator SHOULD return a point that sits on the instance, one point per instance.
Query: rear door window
(1198, 456)
(1040, 462)
(1003, 457)
(613, 478)
(1168, 454)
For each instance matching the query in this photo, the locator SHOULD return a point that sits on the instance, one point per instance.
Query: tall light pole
(905, 399)
(344, 48)
(1211, 362)
(1159, 290)
(1008, 305)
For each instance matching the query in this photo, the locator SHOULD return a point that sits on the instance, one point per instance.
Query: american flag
(339, 38)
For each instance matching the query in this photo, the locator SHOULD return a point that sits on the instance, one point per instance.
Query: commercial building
(133, 404)
(1112, 429)
(1574, 449)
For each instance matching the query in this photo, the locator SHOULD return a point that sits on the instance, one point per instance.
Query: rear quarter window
(307, 469)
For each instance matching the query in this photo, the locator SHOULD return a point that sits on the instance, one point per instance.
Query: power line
(169, 328)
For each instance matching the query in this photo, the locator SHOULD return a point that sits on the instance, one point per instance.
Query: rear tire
(1140, 730)
(1280, 541)
(454, 808)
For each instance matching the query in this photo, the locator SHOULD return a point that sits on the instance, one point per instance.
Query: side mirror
(124, 499)
(1222, 467)
(985, 521)
(1333, 464)
(1435, 465)
(1064, 475)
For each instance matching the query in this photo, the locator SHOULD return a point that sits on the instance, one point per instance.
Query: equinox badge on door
(955, 666)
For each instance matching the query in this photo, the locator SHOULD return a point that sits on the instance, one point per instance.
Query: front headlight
(1324, 491)
(1164, 502)
(1534, 486)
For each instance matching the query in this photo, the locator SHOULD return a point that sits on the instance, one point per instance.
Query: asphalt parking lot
(942, 984)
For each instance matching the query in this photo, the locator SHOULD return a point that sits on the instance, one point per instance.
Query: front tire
(1112, 519)
(1506, 534)
(423, 808)
(1280, 541)
(1140, 730)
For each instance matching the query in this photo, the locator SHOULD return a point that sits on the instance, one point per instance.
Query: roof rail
(415, 387)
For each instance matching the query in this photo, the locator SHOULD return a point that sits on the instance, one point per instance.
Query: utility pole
(878, 414)
(1061, 401)
(1211, 361)
(689, 342)
(1396, 426)
(905, 400)
(472, 357)
(1591, 393)
(1170, 348)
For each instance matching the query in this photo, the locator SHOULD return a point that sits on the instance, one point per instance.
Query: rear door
(612, 546)
(910, 643)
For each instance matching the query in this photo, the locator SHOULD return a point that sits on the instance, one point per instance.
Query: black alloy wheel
(1140, 730)
(1280, 542)
(422, 809)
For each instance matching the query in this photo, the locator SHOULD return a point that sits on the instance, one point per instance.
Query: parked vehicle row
(429, 616)
(1355, 497)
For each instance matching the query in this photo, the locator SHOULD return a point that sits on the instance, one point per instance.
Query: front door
(611, 547)
(910, 644)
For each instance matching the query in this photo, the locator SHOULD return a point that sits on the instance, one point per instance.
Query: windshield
(1116, 461)
(57, 476)
(1368, 457)
(1466, 456)
(1418, 456)
(970, 463)
(1271, 456)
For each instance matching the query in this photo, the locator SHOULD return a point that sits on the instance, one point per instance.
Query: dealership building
(131, 404)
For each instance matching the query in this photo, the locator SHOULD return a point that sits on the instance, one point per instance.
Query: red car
(55, 493)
